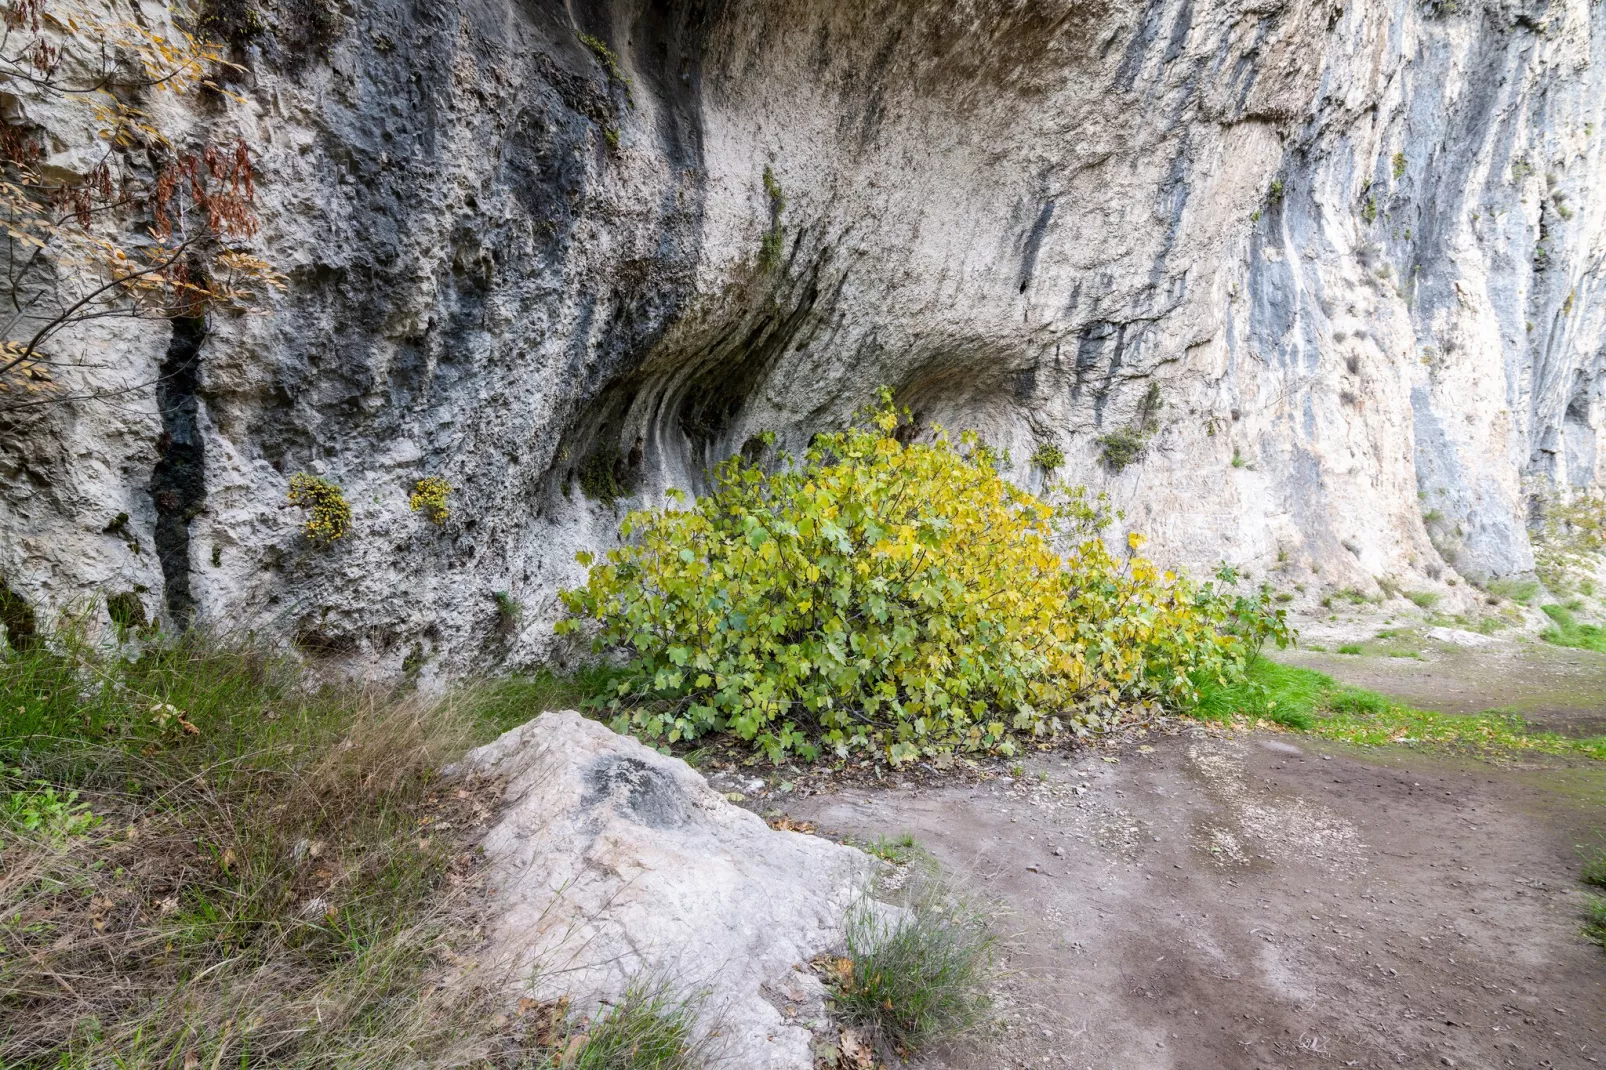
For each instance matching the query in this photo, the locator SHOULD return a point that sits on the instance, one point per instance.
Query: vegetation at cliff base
(207, 858)
(899, 596)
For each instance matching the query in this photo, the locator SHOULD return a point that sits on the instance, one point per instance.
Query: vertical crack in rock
(178, 482)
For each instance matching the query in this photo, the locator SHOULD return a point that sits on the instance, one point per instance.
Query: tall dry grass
(269, 871)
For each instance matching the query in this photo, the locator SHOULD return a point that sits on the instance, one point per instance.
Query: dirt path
(1247, 901)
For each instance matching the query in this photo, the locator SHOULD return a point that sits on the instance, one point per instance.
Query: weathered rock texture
(612, 863)
(1343, 259)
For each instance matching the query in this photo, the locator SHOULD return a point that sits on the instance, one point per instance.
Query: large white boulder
(611, 861)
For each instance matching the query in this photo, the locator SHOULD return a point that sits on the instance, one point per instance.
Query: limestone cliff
(1336, 268)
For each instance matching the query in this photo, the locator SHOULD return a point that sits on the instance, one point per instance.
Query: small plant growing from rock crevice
(1398, 165)
(508, 613)
(608, 61)
(331, 513)
(1123, 446)
(774, 243)
(1048, 457)
(429, 497)
(126, 611)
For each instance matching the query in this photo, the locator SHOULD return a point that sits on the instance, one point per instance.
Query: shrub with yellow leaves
(901, 598)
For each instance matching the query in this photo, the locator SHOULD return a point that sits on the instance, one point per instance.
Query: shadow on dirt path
(1254, 900)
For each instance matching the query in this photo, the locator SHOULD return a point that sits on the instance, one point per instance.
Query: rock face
(612, 862)
(1335, 267)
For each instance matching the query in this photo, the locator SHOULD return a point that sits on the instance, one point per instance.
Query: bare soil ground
(1207, 899)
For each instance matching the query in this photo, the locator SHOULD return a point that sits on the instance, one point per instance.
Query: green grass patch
(1522, 591)
(509, 702)
(1316, 703)
(1566, 631)
(1594, 871)
(897, 851)
(1351, 648)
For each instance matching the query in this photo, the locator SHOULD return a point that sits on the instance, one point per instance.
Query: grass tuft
(510, 701)
(1595, 921)
(1521, 591)
(1566, 631)
(1350, 648)
(897, 851)
(918, 979)
(1594, 871)
(651, 1027)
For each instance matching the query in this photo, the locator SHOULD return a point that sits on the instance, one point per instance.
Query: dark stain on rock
(632, 787)
(1034, 244)
(178, 483)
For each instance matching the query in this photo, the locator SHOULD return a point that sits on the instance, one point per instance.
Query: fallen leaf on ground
(787, 824)
(855, 1051)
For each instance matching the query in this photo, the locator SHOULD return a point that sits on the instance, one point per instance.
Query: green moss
(602, 475)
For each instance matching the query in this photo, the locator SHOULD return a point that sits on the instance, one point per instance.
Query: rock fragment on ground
(611, 861)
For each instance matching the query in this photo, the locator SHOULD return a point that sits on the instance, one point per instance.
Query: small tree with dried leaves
(107, 215)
